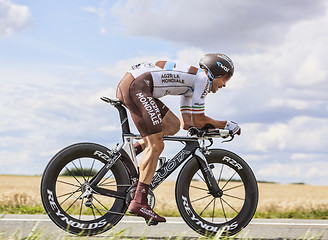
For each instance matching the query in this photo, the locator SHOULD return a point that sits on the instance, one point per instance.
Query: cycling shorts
(146, 111)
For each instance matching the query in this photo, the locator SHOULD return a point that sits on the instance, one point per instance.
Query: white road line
(290, 224)
(24, 220)
(176, 222)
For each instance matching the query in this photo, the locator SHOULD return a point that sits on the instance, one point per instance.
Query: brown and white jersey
(170, 78)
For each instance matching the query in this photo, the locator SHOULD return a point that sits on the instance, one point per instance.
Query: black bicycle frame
(175, 162)
(127, 155)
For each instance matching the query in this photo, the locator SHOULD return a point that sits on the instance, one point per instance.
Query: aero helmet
(217, 65)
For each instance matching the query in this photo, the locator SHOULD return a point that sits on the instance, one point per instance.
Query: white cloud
(301, 60)
(317, 170)
(121, 66)
(13, 18)
(285, 81)
(298, 104)
(102, 13)
(90, 9)
(10, 159)
(297, 137)
(42, 113)
(285, 172)
(247, 96)
(235, 25)
(307, 156)
(190, 55)
(110, 128)
(299, 134)
(279, 96)
(186, 55)
(277, 170)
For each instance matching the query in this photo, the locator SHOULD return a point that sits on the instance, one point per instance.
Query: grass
(303, 214)
(21, 204)
(21, 195)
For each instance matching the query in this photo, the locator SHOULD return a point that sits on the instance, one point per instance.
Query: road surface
(22, 226)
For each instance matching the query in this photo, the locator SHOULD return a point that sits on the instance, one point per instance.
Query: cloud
(286, 80)
(284, 123)
(122, 66)
(19, 158)
(283, 82)
(13, 18)
(307, 156)
(235, 25)
(299, 104)
(103, 14)
(301, 134)
(278, 93)
(42, 113)
(285, 172)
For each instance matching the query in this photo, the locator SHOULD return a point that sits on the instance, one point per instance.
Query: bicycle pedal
(151, 223)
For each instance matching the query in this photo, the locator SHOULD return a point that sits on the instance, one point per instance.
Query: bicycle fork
(209, 178)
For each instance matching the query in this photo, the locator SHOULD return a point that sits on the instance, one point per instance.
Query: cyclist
(140, 90)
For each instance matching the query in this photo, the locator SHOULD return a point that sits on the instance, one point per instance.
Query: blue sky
(57, 58)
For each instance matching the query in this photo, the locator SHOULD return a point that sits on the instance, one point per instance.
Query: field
(21, 194)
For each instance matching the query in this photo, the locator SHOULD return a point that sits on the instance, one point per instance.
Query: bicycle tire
(62, 196)
(238, 202)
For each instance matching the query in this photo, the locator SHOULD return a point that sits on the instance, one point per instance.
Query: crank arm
(106, 211)
(109, 193)
(112, 212)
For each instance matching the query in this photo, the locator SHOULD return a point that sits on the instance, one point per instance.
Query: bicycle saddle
(111, 101)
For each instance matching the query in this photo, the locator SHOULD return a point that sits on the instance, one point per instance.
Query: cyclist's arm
(200, 120)
(186, 120)
(198, 117)
(185, 110)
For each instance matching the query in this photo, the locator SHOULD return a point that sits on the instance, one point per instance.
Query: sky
(57, 58)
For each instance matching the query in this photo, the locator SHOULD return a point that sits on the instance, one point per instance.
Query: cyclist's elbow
(186, 121)
(185, 125)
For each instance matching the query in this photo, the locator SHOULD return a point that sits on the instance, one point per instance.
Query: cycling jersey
(171, 78)
(142, 86)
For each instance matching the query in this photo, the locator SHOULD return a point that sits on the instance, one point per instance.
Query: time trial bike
(86, 188)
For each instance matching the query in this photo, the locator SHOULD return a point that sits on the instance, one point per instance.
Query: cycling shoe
(146, 212)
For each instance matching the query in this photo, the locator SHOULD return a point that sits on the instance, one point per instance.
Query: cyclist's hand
(233, 126)
(208, 127)
(193, 131)
(198, 132)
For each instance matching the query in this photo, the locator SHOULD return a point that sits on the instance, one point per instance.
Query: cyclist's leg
(154, 146)
(148, 119)
(170, 125)
(139, 205)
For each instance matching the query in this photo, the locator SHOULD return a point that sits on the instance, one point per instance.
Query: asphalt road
(21, 226)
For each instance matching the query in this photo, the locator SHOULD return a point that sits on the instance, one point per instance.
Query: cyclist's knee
(171, 124)
(155, 143)
(156, 147)
(175, 127)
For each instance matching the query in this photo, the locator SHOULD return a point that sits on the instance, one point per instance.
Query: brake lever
(211, 142)
(232, 136)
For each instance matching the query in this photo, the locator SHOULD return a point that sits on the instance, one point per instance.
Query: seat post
(122, 112)
(123, 118)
